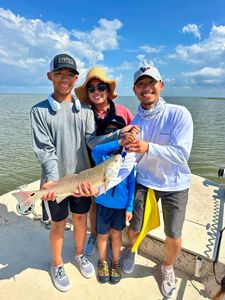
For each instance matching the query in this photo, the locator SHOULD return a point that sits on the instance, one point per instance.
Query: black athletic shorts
(59, 211)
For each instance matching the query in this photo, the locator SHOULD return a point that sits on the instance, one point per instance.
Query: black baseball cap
(110, 119)
(63, 61)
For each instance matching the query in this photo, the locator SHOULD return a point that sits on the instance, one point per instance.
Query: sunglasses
(101, 87)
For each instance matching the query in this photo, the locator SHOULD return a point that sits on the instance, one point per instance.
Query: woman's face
(97, 92)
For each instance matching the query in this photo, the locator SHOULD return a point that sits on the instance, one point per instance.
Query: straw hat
(99, 73)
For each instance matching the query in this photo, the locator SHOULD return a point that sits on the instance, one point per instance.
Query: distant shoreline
(215, 98)
(165, 96)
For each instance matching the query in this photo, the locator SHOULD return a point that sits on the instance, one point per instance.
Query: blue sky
(184, 39)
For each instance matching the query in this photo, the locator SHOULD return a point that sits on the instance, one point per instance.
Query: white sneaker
(168, 281)
(59, 278)
(85, 266)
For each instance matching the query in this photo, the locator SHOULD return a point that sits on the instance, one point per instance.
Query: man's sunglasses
(101, 87)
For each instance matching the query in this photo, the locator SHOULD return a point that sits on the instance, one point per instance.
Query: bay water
(18, 164)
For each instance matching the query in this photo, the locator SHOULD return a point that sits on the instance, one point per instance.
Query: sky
(185, 40)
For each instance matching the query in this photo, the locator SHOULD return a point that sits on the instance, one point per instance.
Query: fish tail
(24, 199)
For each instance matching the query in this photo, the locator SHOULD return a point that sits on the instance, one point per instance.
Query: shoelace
(168, 275)
(60, 272)
(84, 260)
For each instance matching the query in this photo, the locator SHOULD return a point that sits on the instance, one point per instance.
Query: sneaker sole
(127, 271)
(113, 281)
(102, 280)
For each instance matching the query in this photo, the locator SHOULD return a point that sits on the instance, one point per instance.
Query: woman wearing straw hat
(99, 91)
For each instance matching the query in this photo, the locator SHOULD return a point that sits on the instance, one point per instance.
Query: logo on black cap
(63, 61)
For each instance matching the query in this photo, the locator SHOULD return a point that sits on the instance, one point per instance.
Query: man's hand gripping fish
(97, 176)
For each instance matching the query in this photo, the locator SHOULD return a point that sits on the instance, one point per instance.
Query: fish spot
(32, 194)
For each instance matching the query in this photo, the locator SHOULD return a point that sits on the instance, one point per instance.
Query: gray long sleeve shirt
(60, 135)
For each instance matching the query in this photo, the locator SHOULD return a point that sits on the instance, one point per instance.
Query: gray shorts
(173, 207)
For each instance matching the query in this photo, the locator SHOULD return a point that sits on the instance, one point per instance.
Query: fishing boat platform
(25, 255)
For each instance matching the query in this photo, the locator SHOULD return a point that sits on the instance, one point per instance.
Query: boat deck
(25, 255)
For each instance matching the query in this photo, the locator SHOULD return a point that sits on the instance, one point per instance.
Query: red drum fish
(97, 176)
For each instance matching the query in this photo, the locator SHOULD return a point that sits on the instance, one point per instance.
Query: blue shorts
(59, 211)
(107, 218)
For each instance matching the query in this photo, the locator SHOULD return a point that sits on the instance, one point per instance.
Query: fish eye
(32, 194)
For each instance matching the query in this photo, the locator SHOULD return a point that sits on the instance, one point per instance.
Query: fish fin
(24, 199)
(64, 178)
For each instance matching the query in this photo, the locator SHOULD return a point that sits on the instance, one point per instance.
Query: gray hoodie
(60, 135)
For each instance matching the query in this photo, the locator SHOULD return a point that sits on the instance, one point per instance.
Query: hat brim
(81, 91)
(110, 119)
(66, 66)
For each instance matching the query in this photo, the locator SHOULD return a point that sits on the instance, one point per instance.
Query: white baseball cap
(147, 71)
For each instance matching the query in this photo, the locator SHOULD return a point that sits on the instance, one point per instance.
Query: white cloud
(210, 50)
(125, 66)
(27, 46)
(192, 28)
(102, 38)
(149, 49)
(131, 50)
(143, 60)
(203, 61)
(207, 72)
(206, 77)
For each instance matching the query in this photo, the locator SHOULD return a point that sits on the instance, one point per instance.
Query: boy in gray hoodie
(61, 128)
